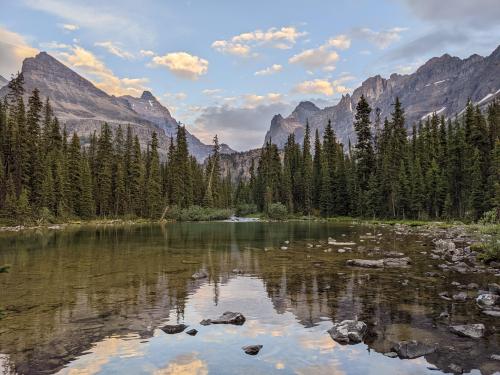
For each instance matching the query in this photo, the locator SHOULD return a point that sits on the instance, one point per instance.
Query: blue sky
(226, 67)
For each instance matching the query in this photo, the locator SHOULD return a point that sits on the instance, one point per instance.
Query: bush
(277, 211)
(197, 213)
(246, 209)
(490, 251)
(490, 217)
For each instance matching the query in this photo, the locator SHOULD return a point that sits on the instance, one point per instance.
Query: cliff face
(442, 85)
(83, 107)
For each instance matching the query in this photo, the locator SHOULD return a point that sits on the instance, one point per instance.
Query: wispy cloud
(114, 49)
(14, 49)
(324, 56)
(382, 39)
(321, 87)
(242, 44)
(182, 64)
(275, 68)
(69, 26)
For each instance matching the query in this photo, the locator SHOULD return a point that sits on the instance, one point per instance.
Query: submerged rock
(173, 328)
(413, 349)
(252, 349)
(192, 332)
(199, 275)
(348, 331)
(379, 263)
(228, 317)
(474, 331)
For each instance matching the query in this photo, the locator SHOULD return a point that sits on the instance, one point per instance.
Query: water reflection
(90, 300)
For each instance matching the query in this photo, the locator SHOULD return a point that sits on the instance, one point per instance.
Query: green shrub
(490, 217)
(277, 211)
(246, 209)
(197, 213)
(489, 251)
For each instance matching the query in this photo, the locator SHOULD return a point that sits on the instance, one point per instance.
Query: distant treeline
(446, 169)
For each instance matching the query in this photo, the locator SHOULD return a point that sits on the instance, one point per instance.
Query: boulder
(495, 357)
(252, 349)
(413, 349)
(173, 328)
(192, 332)
(199, 275)
(474, 331)
(348, 331)
(228, 317)
(487, 300)
(444, 245)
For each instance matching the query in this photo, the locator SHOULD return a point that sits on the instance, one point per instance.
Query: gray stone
(487, 300)
(348, 331)
(228, 317)
(379, 263)
(173, 328)
(192, 332)
(391, 354)
(456, 369)
(460, 297)
(199, 275)
(495, 357)
(413, 349)
(493, 313)
(474, 331)
(252, 349)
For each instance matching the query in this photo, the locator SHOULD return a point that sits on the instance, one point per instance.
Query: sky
(226, 67)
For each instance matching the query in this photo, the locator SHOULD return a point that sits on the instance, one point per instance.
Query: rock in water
(252, 349)
(199, 275)
(487, 300)
(474, 331)
(460, 297)
(379, 263)
(228, 317)
(348, 331)
(175, 328)
(192, 332)
(413, 349)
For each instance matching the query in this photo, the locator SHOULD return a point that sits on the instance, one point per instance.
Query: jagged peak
(496, 52)
(147, 95)
(307, 105)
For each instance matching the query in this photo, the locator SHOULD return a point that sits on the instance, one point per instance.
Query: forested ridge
(445, 169)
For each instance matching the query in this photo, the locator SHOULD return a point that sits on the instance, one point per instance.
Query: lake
(92, 300)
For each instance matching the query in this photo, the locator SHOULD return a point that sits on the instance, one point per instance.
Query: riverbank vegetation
(445, 170)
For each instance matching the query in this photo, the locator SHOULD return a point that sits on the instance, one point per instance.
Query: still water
(92, 300)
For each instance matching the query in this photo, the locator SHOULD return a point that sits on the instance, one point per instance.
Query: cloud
(340, 41)
(69, 26)
(86, 63)
(478, 14)
(324, 56)
(147, 53)
(275, 68)
(381, 39)
(99, 18)
(253, 100)
(175, 95)
(236, 49)
(241, 45)
(182, 64)
(315, 58)
(323, 86)
(115, 50)
(242, 127)
(211, 92)
(14, 49)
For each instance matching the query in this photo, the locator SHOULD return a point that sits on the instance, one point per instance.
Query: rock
(444, 315)
(472, 286)
(494, 288)
(487, 299)
(348, 331)
(495, 357)
(199, 275)
(460, 297)
(413, 349)
(228, 317)
(455, 283)
(252, 349)
(444, 245)
(444, 295)
(391, 354)
(493, 313)
(284, 248)
(379, 263)
(456, 369)
(287, 242)
(474, 331)
(237, 271)
(174, 328)
(192, 332)
(341, 250)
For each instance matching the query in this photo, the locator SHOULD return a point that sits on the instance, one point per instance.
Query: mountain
(442, 85)
(83, 107)
(3, 81)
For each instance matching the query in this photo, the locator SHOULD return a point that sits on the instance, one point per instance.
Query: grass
(489, 251)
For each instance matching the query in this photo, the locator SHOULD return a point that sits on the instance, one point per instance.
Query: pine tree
(155, 201)
(307, 172)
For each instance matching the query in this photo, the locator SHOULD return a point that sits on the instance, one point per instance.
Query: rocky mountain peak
(147, 95)
(3, 81)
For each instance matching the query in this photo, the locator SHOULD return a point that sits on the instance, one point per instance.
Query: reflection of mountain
(68, 290)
